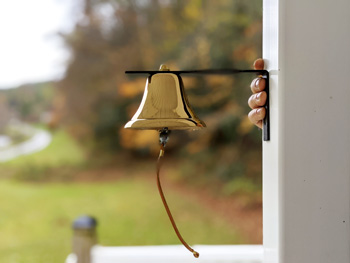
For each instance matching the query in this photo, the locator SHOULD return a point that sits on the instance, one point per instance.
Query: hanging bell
(164, 105)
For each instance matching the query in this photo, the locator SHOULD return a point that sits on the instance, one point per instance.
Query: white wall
(306, 166)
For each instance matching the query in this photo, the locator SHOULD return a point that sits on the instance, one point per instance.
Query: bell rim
(171, 124)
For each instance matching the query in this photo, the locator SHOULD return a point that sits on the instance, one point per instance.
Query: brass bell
(164, 105)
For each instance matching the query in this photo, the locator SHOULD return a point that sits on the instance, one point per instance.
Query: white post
(306, 166)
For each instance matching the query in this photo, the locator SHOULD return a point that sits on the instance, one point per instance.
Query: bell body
(164, 105)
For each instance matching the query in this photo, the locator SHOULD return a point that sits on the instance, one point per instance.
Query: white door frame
(306, 164)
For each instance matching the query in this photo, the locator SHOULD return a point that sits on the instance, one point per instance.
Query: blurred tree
(5, 113)
(28, 102)
(96, 99)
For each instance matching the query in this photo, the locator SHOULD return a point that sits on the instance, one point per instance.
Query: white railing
(85, 250)
(174, 254)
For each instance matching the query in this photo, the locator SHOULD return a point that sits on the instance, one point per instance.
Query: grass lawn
(63, 150)
(63, 153)
(35, 218)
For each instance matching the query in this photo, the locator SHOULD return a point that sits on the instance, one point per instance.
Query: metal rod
(202, 71)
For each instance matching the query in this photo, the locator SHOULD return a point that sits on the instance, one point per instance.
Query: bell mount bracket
(263, 73)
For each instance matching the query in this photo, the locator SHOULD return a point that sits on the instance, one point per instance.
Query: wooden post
(84, 238)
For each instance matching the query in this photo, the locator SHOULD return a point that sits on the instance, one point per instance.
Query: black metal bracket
(264, 74)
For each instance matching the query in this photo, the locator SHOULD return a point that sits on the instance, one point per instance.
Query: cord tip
(195, 254)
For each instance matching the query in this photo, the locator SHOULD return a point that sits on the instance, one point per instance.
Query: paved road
(40, 140)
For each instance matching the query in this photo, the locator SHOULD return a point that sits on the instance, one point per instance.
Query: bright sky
(30, 49)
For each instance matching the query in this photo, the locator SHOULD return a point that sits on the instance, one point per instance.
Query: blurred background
(64, 100)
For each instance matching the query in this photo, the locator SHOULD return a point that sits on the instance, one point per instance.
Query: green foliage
(30, 101)
(241, 185)
(105, 130)
(248, 190)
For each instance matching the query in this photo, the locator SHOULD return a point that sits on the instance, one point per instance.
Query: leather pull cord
(163, 138)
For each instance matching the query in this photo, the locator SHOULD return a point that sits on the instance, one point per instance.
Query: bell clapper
(164, 136)
(163, 139)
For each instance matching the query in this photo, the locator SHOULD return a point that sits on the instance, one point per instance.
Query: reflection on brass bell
(165, 105)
